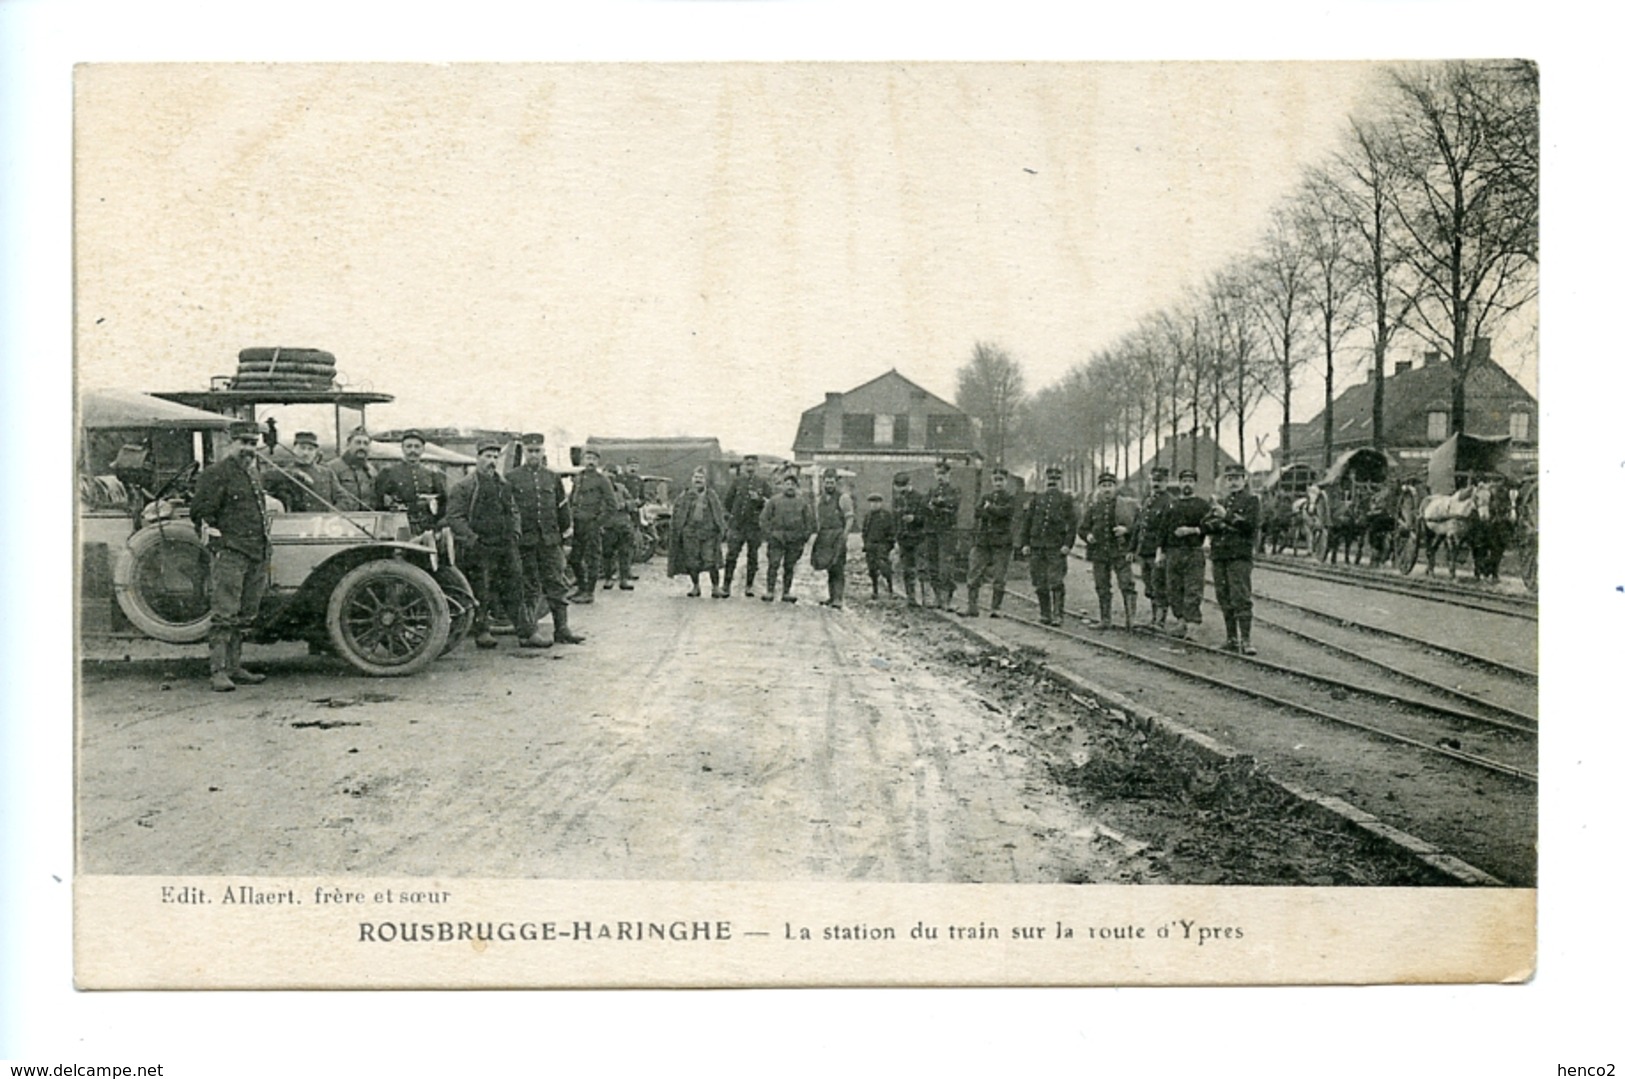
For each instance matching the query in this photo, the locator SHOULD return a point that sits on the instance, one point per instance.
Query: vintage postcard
(759, 524)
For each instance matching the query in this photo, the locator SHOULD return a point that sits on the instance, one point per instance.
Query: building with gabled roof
(1416, 414)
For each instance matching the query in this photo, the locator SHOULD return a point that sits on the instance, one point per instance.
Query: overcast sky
(664, 250)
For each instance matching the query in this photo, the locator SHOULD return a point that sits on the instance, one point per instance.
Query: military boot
(1231, 644)
(1058, 604)
(889, 590)
(998, 601)
(970, 602)
(874, 586)
(240, 675)
(1105, 612)
(727, 582)
(1246, 626)
(785, 596)
(1044, 607)
(908, 590)
(1129, 603)
(220, 664)
(561, 626)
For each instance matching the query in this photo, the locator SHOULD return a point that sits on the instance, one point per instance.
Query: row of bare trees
(1423, 226)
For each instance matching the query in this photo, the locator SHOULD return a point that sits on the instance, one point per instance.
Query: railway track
(1510, 604)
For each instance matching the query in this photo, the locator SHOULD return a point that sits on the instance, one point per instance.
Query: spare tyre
(308, 369)
(161, 581)
(307, 355)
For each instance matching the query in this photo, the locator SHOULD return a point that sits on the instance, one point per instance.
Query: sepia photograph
(782, 474)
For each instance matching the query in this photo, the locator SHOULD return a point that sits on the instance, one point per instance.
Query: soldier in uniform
(939, 546)
(228, 509)
(632, 480)
(306, 485)
(879, 535)
(1233, 526)
(695, 545)
(1182, 540)
(1049, 528)
(1107, 522)
(544, 518)
(743, 504)
(908, 506)
(833, 517)
(616, 533)
(357, 477)
(414, 487)
(786, 522)
(484, 517)
(1147, 539)
(591, 503)
(990, 544)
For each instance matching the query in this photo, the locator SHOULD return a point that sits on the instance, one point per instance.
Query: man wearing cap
(484, 517)
(939, 546)
(615, 546)
(304, 485)
(356, 476)
(228, 509)
(414, 487)
(1107, 522)
(694, 544)
(1233, 526)
(908, 506)
(743, 504)
(544, 518)
(991, 537)
(786, 522)
(879, 536)
(591, 502)
(1147, 541)
(1049, 528)
(632, 480)
(833, 517)
(1187, 564)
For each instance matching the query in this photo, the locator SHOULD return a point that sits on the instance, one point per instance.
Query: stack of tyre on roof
(299, 369)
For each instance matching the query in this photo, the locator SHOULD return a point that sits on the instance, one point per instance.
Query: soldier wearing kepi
(743, 504)
(1233, 526)
(908, 506)
(1182, 539)
(939, 546)
(879, 536)
(992, 536)
(591, 503)
(356, 476)
(1107, 522)
(414, 487)
(306, 485)
(833, 517)
(786, 521)
(544, 518)
(484, 517)
(229, 510)
(1147, 544)
(1049, 528)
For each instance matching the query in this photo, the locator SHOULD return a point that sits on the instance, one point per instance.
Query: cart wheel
(1408, 546)
(1321, 544)
(460, 599)
(388, 618)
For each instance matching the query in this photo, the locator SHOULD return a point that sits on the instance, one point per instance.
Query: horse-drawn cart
(1343, 504)
(1450, 506)
(1282, 495)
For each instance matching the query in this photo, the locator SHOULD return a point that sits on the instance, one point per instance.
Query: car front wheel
(388, 618)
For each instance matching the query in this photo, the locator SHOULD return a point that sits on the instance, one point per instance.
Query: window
(899, 434)
(857, 430)
(1437, 424)
(1520, 426)
(947, 432)
(883, 429)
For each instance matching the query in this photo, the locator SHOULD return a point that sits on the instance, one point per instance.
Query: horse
(1449, 520)
(1492, 530)
(1281, 523)
(1381, 520)
(1348, 526)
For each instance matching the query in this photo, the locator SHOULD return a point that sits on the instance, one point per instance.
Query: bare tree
(1240, 380)
(1284, 276)
(1330, 242)
(992, 389)
(1464, 176)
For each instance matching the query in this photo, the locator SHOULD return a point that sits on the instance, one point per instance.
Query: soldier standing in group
(1233, 524)
(1049, 528)
(544, 518)
(990, 544)
(1107, 522)
(228, 508)
(414, 487)
(485, 519)
(833, 517)
(1182, 540)
(694, 545)
(1147, 541)
(939, 546)
(306, 485)
(356, 476)
(632, 480)
(591, 503)
(743, 504)
(879, 534)
(616, 531)
(786, 522)
(908, 505)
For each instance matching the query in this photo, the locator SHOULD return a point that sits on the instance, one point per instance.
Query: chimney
(833, 421)
(1429, 359)
(1401, 366)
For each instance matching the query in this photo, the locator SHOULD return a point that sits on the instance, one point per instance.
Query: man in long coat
(1107, 524)
(992, 535)
(228, 508)
(1182, 535)
(833, 516)
(592, 500)
(940, 546)
(544, 518)
(743, 504)
(787, 521)
(694, 545)
(483, 516)
(1049, 528)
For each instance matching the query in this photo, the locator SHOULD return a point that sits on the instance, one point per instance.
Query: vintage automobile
(356, 583)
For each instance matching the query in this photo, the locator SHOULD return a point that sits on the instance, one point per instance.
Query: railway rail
(1511, 604)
